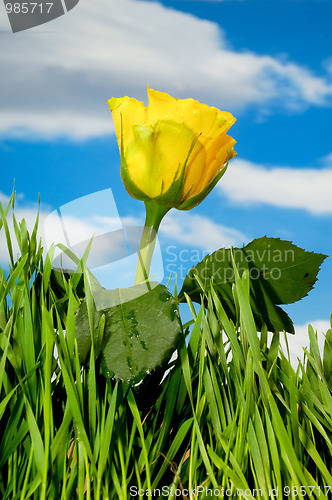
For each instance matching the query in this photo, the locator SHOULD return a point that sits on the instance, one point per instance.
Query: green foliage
(135, 329)
(280, 273)
(229, 412)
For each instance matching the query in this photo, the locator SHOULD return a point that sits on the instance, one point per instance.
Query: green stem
(154, 216)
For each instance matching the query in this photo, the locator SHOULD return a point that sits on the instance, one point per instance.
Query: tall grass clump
(228, 414)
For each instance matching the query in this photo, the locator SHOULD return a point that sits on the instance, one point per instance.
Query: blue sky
(267, 62)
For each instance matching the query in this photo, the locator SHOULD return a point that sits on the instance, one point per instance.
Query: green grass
(232, 413)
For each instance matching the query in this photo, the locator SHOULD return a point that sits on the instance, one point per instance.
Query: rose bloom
(173, 151)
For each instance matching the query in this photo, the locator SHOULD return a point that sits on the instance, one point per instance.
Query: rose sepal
(193, 201)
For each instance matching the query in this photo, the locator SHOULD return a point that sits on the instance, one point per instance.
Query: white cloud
(56, 78)
(4, 199)
(297, 342)
(199, 232)
(302, 188)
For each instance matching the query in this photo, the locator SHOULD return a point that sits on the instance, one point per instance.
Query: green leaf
(135, 330)
(58, 282)
(36, 439)
(279, 272)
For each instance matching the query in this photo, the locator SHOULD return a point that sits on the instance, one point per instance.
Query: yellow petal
(162, 106)
(204, 120)
(155, 159)
(128, 111)
(199, 117)
(214, 146)
(195, 170)
(202, 169)
(138, 156)
(223, 155)
(173, 146)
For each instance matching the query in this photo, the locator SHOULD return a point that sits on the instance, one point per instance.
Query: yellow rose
(173, 151)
